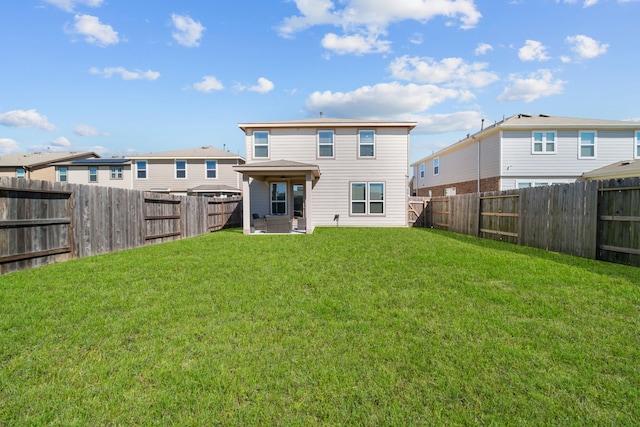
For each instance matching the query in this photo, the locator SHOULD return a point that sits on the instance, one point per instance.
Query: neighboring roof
(207, 152)
(214, 189)
(278, 167)
(528, 121)
(34, 160)
(326, 122)
(623, 169)
(97, 162)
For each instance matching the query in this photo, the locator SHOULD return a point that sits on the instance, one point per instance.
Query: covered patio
(280, 192)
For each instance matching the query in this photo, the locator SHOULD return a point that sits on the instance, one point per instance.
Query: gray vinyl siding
(331, 194)
(80, 175)
(161, 173)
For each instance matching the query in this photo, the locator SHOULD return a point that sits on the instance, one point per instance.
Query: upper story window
(436, 166)
(116, 172)
(93, 174)
(141, 169)
(325, 143)
(367, 198)
(63, 174)
(21, 173)
(212, 169)
(638, 145)
(422, 170)
(543, 142)
(366, 143)
(587, 145)
(261, 144)
(181, 169)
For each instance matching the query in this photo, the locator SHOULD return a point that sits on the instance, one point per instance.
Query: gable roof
(326, 122)
(207, 152)
(623, 169)
(96, 162)
(533, 122)
(35, 160)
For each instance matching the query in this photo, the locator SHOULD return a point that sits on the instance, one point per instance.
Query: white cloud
(482, 49)
(125, 74)
(8, 146)
(263, 86)
(536, 85)
(533, 51)
(85, 130)
(379, 101)
(416, 38)
(94, 31)
(187, 31)
(26, 119)
(442, 123)
(69, 5)
(208, 84)
(356, 44)
(61, 141)
(454, 71)
(586, 47)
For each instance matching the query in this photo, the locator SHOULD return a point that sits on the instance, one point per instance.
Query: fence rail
(42, 222)
(596, 219)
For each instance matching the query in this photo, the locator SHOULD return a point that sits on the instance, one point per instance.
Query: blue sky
(135, 76)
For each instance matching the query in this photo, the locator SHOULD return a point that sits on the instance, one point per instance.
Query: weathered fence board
(619, 221)
(43, 222)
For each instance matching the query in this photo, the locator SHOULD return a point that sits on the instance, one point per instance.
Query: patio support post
(308, 203)
(246, 205)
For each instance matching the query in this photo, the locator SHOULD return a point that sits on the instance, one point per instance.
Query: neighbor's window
(261, 144)
(366, 143)
(367, 198)
(278, 198)
(116, 172)
(421, 170)
(212, 169)
(436, 166)
(181, 169)
(62, 174)
(638, 145)
(21, 173)
(543, 142)
(587, 145)
(141, 169)
(325, 143)
(93, 174)
(524, 184)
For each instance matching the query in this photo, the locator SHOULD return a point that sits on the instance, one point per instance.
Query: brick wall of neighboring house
(486, 184)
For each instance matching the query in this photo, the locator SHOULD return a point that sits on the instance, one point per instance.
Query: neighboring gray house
(38, 165)
(111, 172)
(526, 150)
(623, 169)
(204, 171)
(327, 172)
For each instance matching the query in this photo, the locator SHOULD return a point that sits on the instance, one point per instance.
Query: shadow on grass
(594, 266)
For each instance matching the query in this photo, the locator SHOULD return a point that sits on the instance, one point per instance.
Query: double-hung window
(436, 166)
(325, 143)
(278, 198)
(141, 169)
(422, 170)
(116, 172)
(181, 169)
(212, 169)
(21, 173)
(261, 144)
(543, 142)
(587, 145)
(638, 144)
(367, 198)
(62, 174)
(366, 143)
(93, 174)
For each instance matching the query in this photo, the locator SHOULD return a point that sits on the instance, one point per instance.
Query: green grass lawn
(342, 327)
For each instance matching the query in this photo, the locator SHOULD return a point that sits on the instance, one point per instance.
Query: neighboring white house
(38, 165)
(196, 171)
(524, 151)
(111, 172)
(327, 172)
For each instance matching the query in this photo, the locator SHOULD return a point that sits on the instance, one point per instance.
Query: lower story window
(278, 198)
(62, 174)
(367, 198)
(116, 172)
(93, 174)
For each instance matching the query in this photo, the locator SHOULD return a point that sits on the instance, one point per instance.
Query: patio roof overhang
(278, 169)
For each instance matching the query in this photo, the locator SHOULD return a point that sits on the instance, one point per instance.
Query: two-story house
(111, 172)
(328, 172)
(204, 171)
(40, 165)
(524, 151)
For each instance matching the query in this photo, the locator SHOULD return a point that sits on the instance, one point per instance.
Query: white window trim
(333, 145)
(595, 145)
(261, 145)
(116, 172)
(367, 198)
(436, 171)
(544, 142)
(66, 174)
(360, 144)
(636, 145)
(96, 174)
(146, 169)
(206, 169)
(175, 165)
(422, 170)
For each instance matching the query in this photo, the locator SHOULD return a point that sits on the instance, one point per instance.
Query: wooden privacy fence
(43, 222)
(595, 219)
